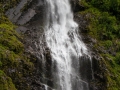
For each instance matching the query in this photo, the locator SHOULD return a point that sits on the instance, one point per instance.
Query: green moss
(9, 38)
(113, 75)
(84, 4)
(107, 44)
(6, 82)
(8, 4)
(6, 26)
(117, 58)
(12, 56)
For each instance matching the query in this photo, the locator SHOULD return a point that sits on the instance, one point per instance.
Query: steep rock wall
(28, 15)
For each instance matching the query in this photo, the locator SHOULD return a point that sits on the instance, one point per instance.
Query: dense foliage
(104, 26)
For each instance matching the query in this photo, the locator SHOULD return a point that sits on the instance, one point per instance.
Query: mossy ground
(104, 26)
(14, 64)
(13, 61)
(6, 82)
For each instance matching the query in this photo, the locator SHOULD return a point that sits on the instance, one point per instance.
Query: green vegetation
(13, 61)
(104, 25)
(6, 4)
(6, 82)
(14, 64)
(8, 48)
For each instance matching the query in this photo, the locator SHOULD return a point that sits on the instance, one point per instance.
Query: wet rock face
(28, 15)
(98, 83)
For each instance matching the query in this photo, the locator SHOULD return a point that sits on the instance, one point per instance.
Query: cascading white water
(64, 42)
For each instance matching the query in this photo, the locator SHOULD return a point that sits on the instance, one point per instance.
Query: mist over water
(64, 42)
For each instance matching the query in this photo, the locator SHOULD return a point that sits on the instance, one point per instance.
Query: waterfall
(66, 47)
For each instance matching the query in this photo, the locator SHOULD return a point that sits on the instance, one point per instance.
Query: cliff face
(27, 68)
(30, 66)
(100, 29)
(17, 66)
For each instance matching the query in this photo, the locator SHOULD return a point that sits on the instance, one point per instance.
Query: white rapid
(63, 40)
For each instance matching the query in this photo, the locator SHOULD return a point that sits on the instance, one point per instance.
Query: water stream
(64, 42)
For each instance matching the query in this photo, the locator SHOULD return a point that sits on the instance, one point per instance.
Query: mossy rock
(12, 55)
(6, 82)
(9, 38)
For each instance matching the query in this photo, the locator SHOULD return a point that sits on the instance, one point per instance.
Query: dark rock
(76, 7)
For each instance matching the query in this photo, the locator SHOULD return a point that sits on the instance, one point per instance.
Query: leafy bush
(102, 25)
(107, 44)
(117, 58)
(111, 6)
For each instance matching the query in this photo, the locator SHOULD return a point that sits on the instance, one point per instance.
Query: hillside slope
(102, 28)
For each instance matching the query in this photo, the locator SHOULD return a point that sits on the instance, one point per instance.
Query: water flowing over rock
(62, 60)
(69, 54)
